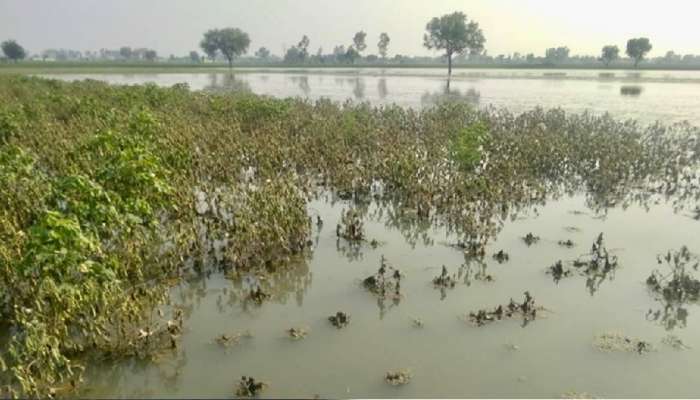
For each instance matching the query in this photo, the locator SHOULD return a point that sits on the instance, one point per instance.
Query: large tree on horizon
(359, 41)
(609, 54)
(383, 44)
(13, 50)
(638, 48)
(454, 34)
(230, 42)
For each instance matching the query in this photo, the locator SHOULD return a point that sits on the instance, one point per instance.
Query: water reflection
(138, 378)
(631, 90)
(471, 96)
(279, 284)
(384, 305)
(671, 316)
(474, 269)
(382, 88)
(227, 82)
(303, 83)
(675, 289)
(358, 88)
(352, 251)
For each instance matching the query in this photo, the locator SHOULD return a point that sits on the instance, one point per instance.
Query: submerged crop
(110, 194)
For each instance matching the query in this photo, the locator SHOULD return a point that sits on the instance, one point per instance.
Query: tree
(359, 41)
(637, 49)
(383, 44)
(293, 55)
(262, 53)
(150, 55)
(557, 55)
(672, 57)
(339, 53)
(352, 54)
(230, 42)
(453, 34)
(610, 53)
(194, 56)
(304, 47)
(210, 43)
(126, 52)
(13, 50)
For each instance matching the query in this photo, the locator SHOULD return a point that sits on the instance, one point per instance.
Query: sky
(176, 26)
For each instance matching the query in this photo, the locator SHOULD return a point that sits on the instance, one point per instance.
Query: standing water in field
(649, 96)
(286, 248)
(448, 356)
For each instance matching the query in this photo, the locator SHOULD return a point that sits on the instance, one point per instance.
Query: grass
(108, 194)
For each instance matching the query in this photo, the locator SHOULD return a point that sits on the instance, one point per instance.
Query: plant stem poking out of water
(386, 283)
(399, 377)
(597, 267)
(339, 320)
(297, 333)
(613, 341)
(351, 227)
(527, 310)
(444, 280)
(249, 387)
(530, 239)
(679, 286)
(501, 256)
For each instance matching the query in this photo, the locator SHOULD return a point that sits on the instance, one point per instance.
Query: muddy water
(448, 357)
(648, 96)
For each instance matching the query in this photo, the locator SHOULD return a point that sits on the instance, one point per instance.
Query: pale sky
(176, 26)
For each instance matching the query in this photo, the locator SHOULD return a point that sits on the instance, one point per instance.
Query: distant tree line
(459, 40)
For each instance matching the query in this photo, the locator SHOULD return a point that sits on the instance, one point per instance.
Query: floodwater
(647, 96)
(448, 357)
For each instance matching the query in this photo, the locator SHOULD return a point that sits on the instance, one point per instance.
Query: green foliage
(359, 41)
(230, 42)
(610, 54)
(467, 145)
(10, 124)
(13, 50)
(383, 44)
(638, 48)
(453, 34)
(104, 189)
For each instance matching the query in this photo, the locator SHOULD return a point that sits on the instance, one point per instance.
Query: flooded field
(424, 330)
(647, 96)
(292, 249)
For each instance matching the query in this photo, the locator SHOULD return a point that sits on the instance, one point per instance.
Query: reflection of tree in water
(290, 280)
(303, 83)
(348, 249)
(470, 96)
(358, 87)
(227, 82)
(671, 316)
(293, 279)
(385, 305)
(473, 269)
(632, 90)
(382, 88)
(136, 377)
